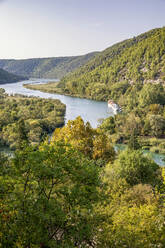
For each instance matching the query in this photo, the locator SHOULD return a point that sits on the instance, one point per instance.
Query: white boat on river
(89, 110)
(114, 106)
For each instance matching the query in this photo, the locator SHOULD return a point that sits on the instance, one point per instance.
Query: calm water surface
(89, 110)
(158, 158)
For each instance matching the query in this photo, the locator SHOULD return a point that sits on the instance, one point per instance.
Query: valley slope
(56, 67)
(112, 72)
(6, 77)
(132, 73)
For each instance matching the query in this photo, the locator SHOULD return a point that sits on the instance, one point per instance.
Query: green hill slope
(6, 77)
(113, 71)
(45, 67)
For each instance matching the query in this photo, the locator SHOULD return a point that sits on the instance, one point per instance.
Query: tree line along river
(89, 110)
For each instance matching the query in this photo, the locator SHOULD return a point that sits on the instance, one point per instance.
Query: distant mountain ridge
(137, 60)
(6, 77)
(55, 67)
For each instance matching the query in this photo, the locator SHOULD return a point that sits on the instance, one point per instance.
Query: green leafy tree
(152, 94)
(136, 168)
(157, 125)
(87, 140)
(133, 142)
(108, 125)
(49, 197)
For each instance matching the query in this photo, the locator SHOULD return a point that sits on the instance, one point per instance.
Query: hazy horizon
(53, 28)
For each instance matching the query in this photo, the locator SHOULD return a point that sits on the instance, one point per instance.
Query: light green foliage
(137, 227)
(56, 195)
(131, 73)
(112, 72)
(157, 125)
(135, 168)
(132, 215)
(50, 200)
(139, 122)
(89, 141)
(108, 125)
(152, 94)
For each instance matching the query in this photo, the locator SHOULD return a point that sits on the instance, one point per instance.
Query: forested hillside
(133, 74)
(45, 67)
(6, 77)
(113, 72)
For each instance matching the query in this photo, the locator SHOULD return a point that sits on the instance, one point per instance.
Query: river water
(89, 110)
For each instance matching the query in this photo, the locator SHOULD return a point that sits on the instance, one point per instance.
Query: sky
(52, 28)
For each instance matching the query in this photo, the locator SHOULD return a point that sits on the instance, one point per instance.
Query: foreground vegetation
(75, 191)
(28, 117)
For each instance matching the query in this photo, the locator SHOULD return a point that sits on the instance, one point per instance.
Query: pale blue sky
(48, 28)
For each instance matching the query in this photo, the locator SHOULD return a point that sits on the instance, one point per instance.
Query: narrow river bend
(89, 110)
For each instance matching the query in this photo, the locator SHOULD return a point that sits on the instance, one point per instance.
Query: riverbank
(158, 158)
(90, 110)
(153, 144)
(28, 118)
(54, 88)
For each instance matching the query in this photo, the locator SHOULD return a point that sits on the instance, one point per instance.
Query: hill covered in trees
(6, 77)
(55, 67)
(133, 74)
(75, 190)
(112, 72)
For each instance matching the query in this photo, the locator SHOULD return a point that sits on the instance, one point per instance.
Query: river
(89, 110)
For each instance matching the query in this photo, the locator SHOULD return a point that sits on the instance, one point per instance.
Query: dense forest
(132, 74)
(6, 77)
(76, 191)
(113, 72)
(28, 118)
(45, 67)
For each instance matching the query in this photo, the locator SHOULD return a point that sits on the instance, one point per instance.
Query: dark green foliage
(24, 119)
(50, 195)
(22, 133)
(152, 94)
(133, 143)
(113, 72)
(45, 67)
(6, 77)
(135, 168)
(55, 195)
(108, 125)
(51, 204)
